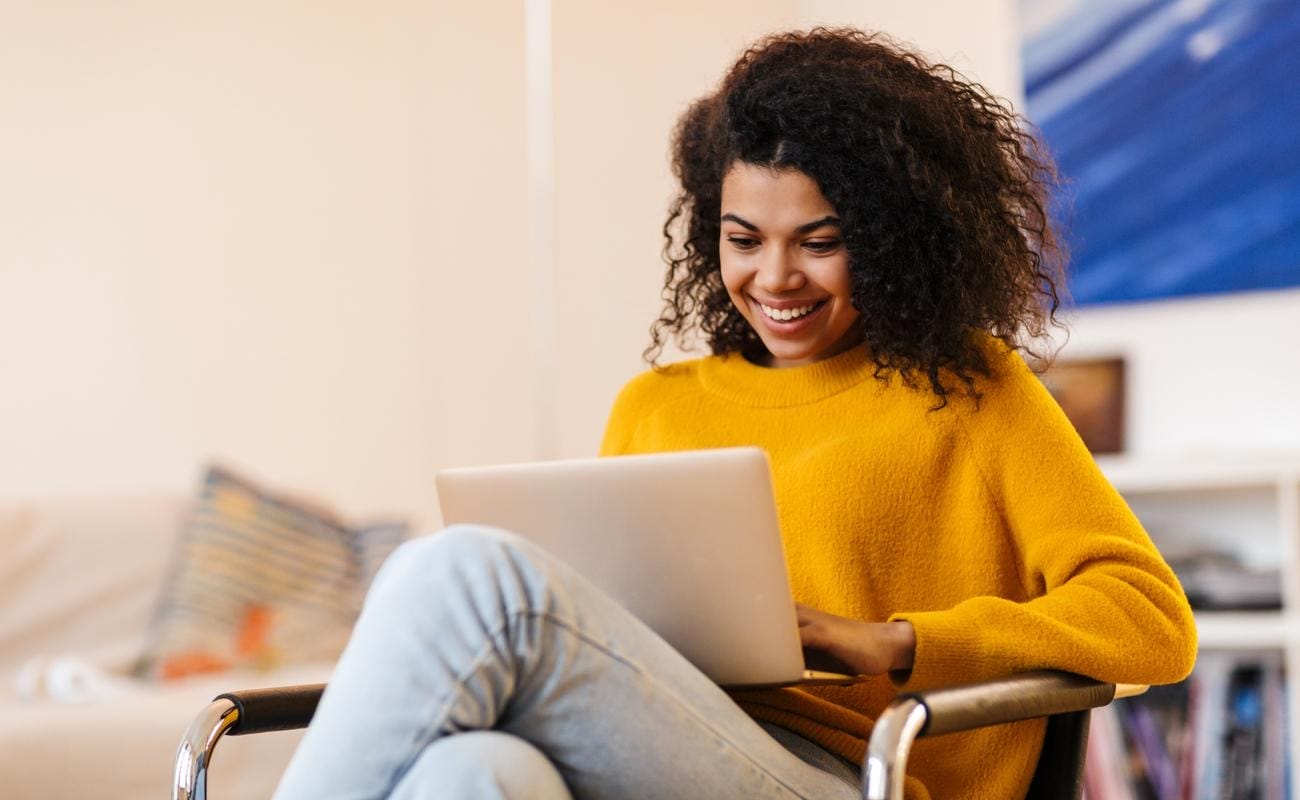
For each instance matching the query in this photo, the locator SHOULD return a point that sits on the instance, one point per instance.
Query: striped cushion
(260, 581)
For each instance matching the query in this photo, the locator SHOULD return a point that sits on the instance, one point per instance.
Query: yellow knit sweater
(989, 528)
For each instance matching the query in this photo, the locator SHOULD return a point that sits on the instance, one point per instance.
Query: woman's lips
(792, 326)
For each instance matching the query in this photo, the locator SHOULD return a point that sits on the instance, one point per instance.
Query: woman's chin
(783, 355)
(786, 353)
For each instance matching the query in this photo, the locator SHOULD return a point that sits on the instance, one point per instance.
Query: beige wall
(297, 236)
(287, 234)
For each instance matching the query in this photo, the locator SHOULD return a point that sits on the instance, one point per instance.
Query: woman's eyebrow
(741, 222)
(807, 227)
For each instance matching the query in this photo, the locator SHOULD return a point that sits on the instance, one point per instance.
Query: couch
(80, 580)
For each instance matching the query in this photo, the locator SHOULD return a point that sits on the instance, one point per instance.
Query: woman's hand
(868, 648)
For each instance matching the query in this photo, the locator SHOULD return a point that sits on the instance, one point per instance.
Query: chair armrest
(282, 708)
(960, 708)
(236, 713)
(908, 717)
(1026, 696)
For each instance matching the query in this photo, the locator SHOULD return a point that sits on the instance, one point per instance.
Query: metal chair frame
(1063, 698)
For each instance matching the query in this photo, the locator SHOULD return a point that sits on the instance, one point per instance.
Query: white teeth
(786, 314)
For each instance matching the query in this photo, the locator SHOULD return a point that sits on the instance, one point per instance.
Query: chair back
(1059, 774)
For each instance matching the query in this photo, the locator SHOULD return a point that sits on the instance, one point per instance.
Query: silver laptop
(689, 542)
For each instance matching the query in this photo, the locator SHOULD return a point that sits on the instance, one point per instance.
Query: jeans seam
(494, 639)
(421, 742)
(691, 712)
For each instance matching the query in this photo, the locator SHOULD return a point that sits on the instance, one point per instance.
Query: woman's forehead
(775, 198)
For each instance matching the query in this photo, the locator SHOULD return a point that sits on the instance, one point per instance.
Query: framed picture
(1174, 124)
(1091, 392)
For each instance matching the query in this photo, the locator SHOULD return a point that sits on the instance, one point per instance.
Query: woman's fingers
(807, 615)
(869, 647)
(814, 630)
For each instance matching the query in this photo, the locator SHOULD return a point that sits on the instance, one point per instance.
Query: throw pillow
(259, 580)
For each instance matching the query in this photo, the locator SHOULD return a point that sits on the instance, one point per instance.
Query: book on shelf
(1217, 579)
(1219, 735)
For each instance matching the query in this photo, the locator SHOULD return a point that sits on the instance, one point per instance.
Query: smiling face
(784, 264)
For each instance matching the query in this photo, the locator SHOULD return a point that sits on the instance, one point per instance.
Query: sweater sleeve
(1103, 601)
(629, 408)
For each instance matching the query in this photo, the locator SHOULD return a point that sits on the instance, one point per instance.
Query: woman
(862, 241)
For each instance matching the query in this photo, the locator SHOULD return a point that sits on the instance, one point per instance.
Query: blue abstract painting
(1176, 124)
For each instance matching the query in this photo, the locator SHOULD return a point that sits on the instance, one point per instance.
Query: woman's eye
(822, 245)
(743, 242)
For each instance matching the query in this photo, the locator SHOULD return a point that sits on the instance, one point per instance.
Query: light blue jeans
(481, 667)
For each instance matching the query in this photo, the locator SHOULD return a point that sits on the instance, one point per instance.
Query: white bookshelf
(1250, 508)
(1245, 630)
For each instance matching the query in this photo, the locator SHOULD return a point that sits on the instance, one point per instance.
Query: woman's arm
(1100, 600)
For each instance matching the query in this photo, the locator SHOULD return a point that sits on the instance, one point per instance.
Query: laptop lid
(688, 541)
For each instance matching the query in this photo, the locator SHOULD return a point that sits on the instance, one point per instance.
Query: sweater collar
(749, 384)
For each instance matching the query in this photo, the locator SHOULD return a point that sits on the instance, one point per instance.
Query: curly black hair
(942, 192)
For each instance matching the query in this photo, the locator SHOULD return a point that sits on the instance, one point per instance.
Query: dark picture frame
(1091, 392)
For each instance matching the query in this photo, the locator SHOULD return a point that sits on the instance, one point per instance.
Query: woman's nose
(778, 273)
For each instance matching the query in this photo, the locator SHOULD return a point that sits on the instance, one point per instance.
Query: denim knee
(482, 764)
(456, 542)
(434, 561)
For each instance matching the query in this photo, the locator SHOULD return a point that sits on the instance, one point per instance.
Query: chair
(1064, 699)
